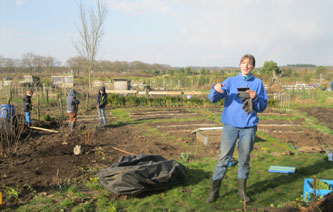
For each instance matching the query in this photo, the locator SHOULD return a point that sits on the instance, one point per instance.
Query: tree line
(33, 63)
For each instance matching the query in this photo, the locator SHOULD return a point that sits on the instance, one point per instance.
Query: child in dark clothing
(27, 107)
(101, 103)
(72, 108)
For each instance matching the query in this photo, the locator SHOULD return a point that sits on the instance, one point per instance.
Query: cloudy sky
(176, 32)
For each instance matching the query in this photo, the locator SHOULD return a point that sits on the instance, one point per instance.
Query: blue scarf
(247, 76)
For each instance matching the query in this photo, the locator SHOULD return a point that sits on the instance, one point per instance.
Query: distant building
(122, 84)
(7, 81)
(30, 81)
(62, 81)
(97, 83)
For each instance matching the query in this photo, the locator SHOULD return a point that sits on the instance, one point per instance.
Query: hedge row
(167, 101)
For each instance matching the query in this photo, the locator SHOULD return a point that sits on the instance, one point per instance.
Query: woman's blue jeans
(245, 138)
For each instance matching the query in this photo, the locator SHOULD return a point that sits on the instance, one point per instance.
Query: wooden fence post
(87, 99)
(10, 96)
(47, 96)
(60, 104)
(61, 108)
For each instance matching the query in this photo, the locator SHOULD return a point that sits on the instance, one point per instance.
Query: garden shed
(122, 84)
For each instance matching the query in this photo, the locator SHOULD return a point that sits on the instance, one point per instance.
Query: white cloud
(140, 6)
(20, 2)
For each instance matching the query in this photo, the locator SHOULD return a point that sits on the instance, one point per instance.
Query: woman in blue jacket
(245, 96)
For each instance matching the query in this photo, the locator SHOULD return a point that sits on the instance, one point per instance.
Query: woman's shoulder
(257, 80)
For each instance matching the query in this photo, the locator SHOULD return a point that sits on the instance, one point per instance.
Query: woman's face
(246, 66)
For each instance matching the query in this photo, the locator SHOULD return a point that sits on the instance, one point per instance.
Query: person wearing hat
(27, 107)
(102, 99)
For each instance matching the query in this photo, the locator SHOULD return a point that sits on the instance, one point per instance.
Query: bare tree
(90, 32)
(49, 63)
(27, 61)
(77, 64)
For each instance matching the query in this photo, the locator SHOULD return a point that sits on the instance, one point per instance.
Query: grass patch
(314, 123)
(265, 188)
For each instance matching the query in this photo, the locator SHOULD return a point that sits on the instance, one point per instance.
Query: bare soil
(45, 161)
(324, 115)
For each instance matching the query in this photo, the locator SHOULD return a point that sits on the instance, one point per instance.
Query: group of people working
(72, 107)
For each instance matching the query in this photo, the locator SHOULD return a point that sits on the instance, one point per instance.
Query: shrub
(166, 101)
(47, 117)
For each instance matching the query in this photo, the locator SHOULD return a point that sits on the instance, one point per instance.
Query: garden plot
(45, 161)
(324, 115)
(295, 133)
(162, 114)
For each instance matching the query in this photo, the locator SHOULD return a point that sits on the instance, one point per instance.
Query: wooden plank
(279, 125)
(44, 129)
(207, 128)
(195, 93)
(202, 138)
(122, 91)
(165, 93)
(120, 150)
(184, 125)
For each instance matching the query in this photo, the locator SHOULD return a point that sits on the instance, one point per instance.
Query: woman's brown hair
(250, 57)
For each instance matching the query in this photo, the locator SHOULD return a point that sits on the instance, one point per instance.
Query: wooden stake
(120, 150)
(47, 96)
(44, 129)
(61, 108)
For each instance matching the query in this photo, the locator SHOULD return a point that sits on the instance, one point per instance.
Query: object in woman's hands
(247, 101)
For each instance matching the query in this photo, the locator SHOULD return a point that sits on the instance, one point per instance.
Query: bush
(47, 117)
(116, 100)
(194, 101)
(272, 103)
(166, 101)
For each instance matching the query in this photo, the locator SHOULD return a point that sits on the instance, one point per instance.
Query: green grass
(321, 99)
(312, 122)
(290, 118)
(264, 188)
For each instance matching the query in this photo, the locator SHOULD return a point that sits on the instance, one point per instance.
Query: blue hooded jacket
(233, 113)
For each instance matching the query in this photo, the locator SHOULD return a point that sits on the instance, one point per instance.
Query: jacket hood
(102, 89)
(72, 92)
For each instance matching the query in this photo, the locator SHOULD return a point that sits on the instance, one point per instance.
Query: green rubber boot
(214, 191)
(241, 185)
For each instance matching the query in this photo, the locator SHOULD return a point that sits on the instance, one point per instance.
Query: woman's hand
(252, 93)
(218, 87)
